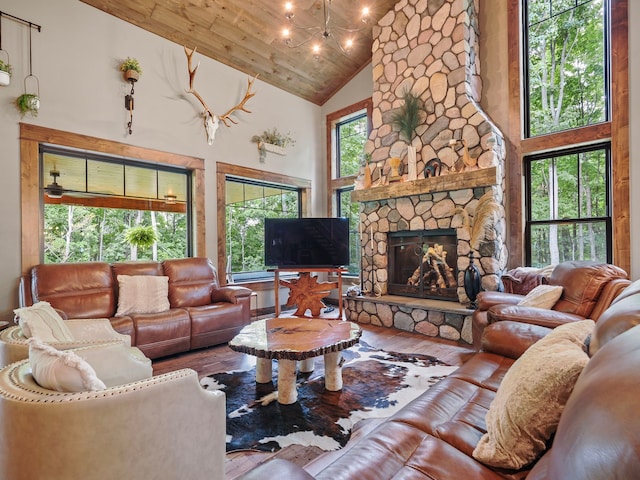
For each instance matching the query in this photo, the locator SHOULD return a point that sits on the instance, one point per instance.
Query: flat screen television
(306, 242)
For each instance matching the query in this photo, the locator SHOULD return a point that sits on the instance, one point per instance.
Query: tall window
(348, 131)
(99, 208)
(566, 144)
(248, 203)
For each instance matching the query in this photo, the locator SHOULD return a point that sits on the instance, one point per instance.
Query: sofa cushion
(543, 296)
(142, 294)
(528, 404)
(41, 320)
(191, 281)
(61, 370)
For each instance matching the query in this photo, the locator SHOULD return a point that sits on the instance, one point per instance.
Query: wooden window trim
(616, 131)
(224, 169)
(332, 118)
(31, 136)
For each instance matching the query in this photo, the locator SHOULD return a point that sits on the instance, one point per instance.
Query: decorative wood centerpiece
(307, 293)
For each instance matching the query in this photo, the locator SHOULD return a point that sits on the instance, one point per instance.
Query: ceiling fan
(54, 190)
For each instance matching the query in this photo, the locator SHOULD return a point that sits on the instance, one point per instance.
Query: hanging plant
(5, 73)
(131, 68)
(273, 141)
(141, 236)
(408, 116)
(28, 103)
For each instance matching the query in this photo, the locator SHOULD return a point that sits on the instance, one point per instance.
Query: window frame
(615, 131)
(31, 136)
(224, 170)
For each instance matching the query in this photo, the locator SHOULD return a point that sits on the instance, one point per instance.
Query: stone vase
(412, 167)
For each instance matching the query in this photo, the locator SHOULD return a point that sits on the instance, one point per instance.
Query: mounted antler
(211, 120)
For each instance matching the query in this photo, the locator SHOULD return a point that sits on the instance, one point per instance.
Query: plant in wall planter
(131, 69)
(273, 141)
(5, 73)
(28, 103)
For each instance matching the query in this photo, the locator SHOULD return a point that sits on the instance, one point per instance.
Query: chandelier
(318, 34)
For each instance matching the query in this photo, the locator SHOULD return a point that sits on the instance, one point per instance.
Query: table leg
(307, 365)
(333, 371)
(287, 392)
(264, 371)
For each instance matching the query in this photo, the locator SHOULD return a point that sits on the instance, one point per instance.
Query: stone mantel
(484, 177)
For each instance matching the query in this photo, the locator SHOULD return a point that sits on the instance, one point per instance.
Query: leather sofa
(433, 437)
(202, 313)
(588, 289)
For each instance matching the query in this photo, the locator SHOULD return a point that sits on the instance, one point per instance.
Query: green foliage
(143, 236)
(352, 136)
(28, 103)
(274, 137)
(407, 117)
(130, 63)
(5, 67)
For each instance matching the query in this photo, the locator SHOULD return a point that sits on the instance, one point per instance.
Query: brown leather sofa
(202, 313)
(433, 437)
(588, 289)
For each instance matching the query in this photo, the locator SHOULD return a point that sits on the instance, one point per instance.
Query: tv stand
(301, 286)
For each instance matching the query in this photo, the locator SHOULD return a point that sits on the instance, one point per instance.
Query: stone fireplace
(430, 48)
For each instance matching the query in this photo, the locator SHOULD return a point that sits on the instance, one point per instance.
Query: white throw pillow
(142, 294)
(543, 296)
(41, 320)
(527, 407)
(61, 370)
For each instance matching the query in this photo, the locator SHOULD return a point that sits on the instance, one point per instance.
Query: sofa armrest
(511, 339)
(532, 315)
(230, 294)
(276, 468)
(488, 299)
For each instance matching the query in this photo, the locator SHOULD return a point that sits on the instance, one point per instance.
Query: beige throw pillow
(142, 294)
(527, 407)
(543, 296)
(41, 320)
(61, 370)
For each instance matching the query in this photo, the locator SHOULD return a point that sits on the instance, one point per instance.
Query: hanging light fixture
(318, 34)
(54, 190)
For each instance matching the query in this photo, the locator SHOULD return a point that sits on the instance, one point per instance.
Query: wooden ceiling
(247, 35)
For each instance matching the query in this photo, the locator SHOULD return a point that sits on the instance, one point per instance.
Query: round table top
(295, 338)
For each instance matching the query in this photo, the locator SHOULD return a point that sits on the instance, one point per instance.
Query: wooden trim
(616, 130)
(224, 169)
(31, 136)
(332, 118)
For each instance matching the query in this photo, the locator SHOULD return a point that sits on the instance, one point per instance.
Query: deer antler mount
(211, 120)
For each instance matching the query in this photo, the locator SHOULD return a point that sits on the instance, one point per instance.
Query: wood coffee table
(290, 339)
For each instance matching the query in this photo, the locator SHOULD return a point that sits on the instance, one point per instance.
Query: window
(568, 132)
(348, 130)
(245, 198)
(98, 208)
(248, 203)
(569, 214)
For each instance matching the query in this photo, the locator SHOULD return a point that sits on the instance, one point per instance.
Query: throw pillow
(142, 294)
(62, 371)
(526, 409)
(41, 320)
(543, 296)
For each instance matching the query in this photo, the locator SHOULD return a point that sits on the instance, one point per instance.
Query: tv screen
(306, 242)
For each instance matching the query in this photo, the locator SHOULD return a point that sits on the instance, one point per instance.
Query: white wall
(76, 59)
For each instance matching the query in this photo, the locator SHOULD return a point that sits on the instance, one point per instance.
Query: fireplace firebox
(423, 264)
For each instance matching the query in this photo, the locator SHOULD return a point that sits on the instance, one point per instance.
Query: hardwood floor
(221, 359)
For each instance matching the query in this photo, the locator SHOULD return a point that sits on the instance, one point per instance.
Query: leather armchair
(167, 426)
(588, 290)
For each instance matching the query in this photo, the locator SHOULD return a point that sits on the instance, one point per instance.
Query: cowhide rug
(375, 384)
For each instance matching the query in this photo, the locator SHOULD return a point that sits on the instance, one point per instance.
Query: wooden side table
(289, 340)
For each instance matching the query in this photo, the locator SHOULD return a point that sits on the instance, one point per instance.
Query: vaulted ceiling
(247, 35)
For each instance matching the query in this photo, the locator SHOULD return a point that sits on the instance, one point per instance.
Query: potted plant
(5, 73)
(131, 68)
(28, 103)
(272, 141)
(406, 119)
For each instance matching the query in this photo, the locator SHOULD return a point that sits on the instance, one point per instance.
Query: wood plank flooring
(221, 359)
